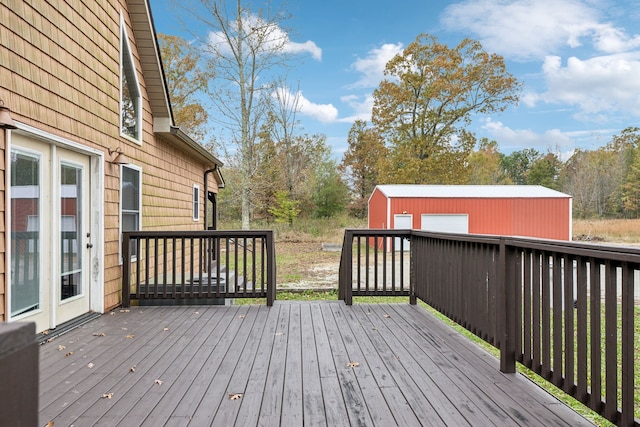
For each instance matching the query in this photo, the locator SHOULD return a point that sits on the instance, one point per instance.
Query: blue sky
(579, 62)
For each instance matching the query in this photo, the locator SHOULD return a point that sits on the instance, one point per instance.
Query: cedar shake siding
(60, 76)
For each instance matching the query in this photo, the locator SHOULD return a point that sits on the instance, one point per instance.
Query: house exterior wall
(3, 222)
(60, 73)
(548, 218)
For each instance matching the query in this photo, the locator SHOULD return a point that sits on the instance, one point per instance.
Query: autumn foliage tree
(484, 166)
(187, 82)
(360, 165)
(426, 102)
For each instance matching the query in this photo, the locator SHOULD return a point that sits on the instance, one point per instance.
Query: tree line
(419, 131)
(604, 183)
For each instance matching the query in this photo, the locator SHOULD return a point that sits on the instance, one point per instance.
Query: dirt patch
(304, 265)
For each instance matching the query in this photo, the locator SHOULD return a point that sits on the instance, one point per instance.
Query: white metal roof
(470, 191)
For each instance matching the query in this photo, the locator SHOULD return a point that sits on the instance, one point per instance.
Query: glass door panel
(25, 233)
(70, 228)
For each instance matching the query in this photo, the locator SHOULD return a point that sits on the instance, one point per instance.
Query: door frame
(95, 263)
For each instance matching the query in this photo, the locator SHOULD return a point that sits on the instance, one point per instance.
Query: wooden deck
(293, 364)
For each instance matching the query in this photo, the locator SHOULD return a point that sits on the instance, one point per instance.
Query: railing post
(271, 269)
(507, 308)
(126, 270)
(347, 277)
(412, 270)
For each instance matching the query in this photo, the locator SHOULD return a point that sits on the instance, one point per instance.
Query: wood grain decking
(293, 364)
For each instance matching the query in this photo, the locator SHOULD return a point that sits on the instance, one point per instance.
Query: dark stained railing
(565, 310)
(375, 263)
(197, 266)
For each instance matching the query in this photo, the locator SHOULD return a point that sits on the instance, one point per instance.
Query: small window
(196, 202)
(130, 201)
(130, 98)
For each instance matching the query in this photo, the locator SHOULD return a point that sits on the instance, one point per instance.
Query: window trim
(139, 170)
(195, 202)
(125, 47)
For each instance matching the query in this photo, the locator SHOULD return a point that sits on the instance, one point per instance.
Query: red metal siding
(544, 218)
(547, 218)
(378, 210)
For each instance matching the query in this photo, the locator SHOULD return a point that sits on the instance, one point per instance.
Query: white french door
(50, 232)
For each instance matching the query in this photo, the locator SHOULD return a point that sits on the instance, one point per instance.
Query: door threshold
(65, 327)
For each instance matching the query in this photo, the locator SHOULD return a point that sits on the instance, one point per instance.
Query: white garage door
(451, 223)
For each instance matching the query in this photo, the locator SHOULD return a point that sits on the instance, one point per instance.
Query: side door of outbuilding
(402, 222)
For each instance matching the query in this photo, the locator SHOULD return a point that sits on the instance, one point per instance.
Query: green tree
(517, 164)
(359, 165)
(331, 193)
(628, 144)
(285, 209)
(425, 104)
(187, 83)
(484, 165)
(544, 171)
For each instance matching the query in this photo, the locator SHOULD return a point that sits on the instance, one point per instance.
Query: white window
(196, 202)
(130, 200)
(130, 99)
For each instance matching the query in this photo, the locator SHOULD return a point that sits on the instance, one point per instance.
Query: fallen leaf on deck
(99, 334)
(279, 333)
(235, 396)
(51, 339)
(49, 424)
(196, 312)
(353, 364)
(132, 369)
(130, 336)
(107, 395)
(386, 316)
(90, 365)
(61, 347)
(124, 329)
(68, 354)
(45, 332)
(124, 311)
(112, 313)
(241, 316)
(165, 329)
(159, 382)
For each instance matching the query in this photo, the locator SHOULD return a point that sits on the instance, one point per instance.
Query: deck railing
(375, 263)
(565, 310)
(197, 266)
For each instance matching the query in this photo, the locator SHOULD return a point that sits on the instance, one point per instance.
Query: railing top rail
(597, 251)
(590, 250)
(198, 233)
(474, 238)
(371, 232)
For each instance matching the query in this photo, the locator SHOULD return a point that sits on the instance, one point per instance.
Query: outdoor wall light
(6, 122)
(119, 158)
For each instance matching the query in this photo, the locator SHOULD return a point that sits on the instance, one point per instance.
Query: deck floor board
(290, 364)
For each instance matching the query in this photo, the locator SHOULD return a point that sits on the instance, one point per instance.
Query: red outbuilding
(511, 210)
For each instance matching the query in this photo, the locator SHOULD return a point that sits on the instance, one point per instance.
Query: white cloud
(563, 143)
(325, 113)
(371, 67)
(533, 29)
(517, 139)
(275, 38)
(306, 47)
(598, 86)
(361, 106)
